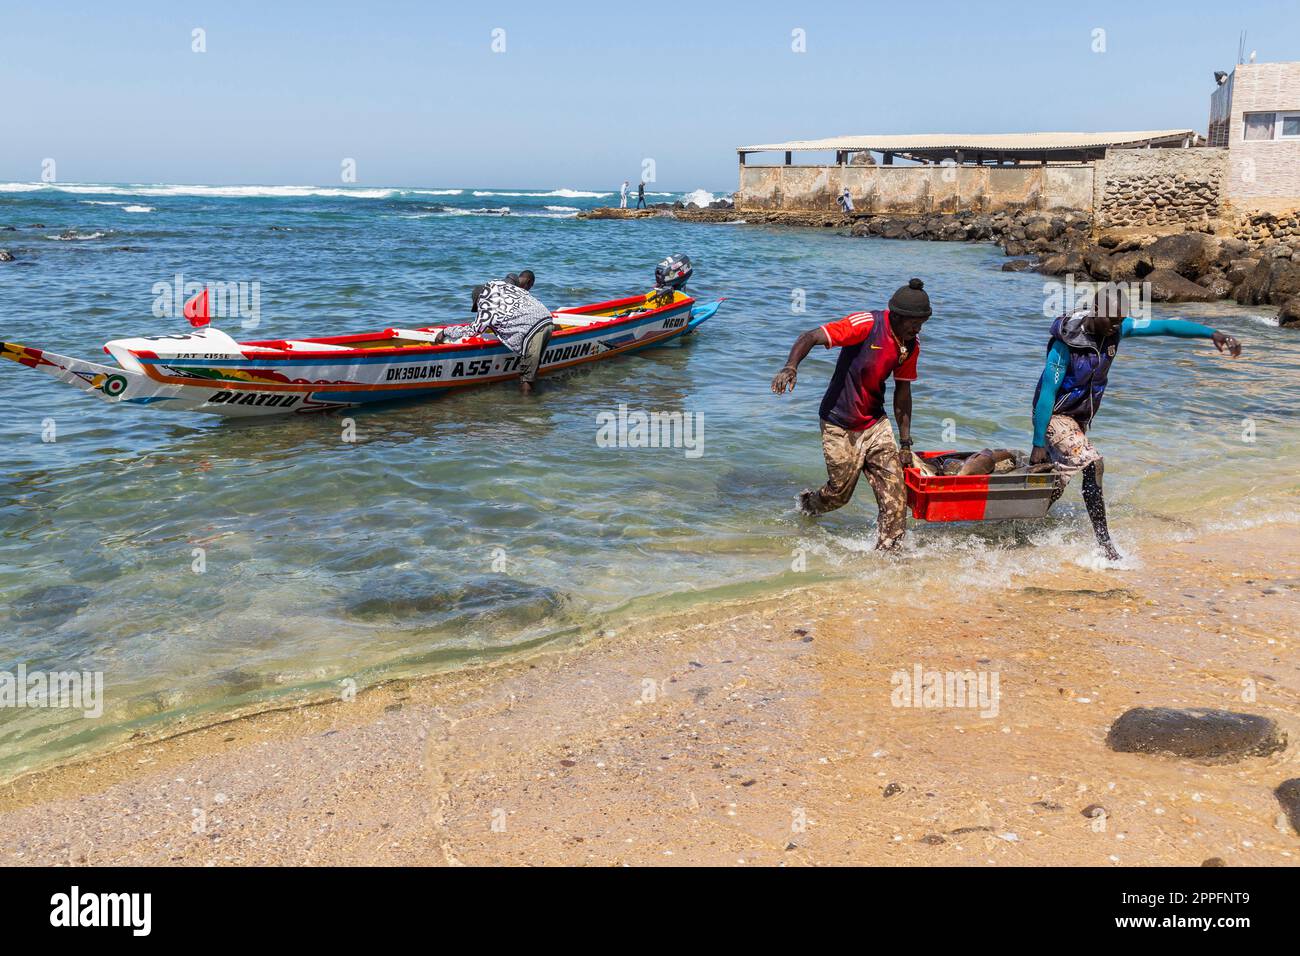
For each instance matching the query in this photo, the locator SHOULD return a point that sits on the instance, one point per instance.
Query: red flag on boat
(196, 310)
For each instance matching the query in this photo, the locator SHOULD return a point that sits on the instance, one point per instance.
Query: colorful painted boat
(208, 371)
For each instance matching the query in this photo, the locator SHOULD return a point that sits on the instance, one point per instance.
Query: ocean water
(485, 524)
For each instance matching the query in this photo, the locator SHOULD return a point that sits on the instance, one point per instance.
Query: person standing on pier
(857, 438)
(622, 195)
(640, 195)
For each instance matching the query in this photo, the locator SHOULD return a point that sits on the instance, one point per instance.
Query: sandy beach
(761, 732)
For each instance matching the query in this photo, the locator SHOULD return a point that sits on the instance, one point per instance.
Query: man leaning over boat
(519, 321)
(857, 438)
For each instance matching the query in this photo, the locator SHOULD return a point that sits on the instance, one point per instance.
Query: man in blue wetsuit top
(1079, 356)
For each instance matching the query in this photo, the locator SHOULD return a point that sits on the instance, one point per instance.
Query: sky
(577, 94)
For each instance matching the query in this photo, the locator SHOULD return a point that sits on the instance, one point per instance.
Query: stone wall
(1263, 228)
(1158, 187)
(914, 190)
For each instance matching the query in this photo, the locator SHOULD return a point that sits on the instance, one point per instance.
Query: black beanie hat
(911, 301)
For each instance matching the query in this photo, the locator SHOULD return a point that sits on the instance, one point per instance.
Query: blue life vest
(1080, 392)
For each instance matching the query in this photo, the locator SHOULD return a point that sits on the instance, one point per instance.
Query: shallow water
(485, 523)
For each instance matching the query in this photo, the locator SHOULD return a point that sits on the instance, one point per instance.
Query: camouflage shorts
(1068, 445)
(849, 455)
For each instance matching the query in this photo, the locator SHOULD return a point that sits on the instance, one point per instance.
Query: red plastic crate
(977, 497)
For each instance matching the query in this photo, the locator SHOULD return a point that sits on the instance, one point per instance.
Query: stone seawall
(1153, 187)
(913, 190)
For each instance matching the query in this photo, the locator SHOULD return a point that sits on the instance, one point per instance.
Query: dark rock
(1216, 283)
(1042, 228)
(1273, 281)
(1063, 263)
(1189, 254)
(1197, 732)
(1289, 315)
(6, 255)
(1238, 269)
(1093, 810)
(1167, 286)
(1013, 247)
(892, 789)
(1097, 261)
(1230, 248)
(1130, 264)
(1213, 861)
(1019, 265)
(933, 839)
(1288, 794)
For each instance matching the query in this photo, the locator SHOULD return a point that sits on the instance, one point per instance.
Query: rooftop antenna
(1241, 48)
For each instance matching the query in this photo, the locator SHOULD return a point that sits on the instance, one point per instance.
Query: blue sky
(584, 91)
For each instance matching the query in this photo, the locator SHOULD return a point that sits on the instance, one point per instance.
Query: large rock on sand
(1197, 732)
(1272, 281)
(1190, 254)
(1167, 286)
(1288, 794)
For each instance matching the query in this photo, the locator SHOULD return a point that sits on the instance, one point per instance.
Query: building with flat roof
(979, 148)
(1255, 115)
(918, 173)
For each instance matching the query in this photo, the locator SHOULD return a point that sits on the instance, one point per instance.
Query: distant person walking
(846, 201)
(640, 195)
(622, 195)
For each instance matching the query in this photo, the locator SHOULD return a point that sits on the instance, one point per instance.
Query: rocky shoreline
(1254, 261)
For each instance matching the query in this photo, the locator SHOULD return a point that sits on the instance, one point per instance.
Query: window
(1258, 126)
(1271, 126)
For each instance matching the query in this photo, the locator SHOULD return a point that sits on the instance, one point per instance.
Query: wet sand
(759, 733)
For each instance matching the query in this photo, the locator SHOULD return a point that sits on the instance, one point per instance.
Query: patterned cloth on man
(509, 311)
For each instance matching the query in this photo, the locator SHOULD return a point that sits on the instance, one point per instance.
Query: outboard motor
(673, 272)
(670, 275)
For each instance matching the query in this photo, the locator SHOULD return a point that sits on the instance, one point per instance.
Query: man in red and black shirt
(856, 436)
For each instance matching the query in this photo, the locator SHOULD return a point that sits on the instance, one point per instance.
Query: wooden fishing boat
(208, 371)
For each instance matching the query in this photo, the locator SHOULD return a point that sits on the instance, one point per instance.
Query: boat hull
(242, 384)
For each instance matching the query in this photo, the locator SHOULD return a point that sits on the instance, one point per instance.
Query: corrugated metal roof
(989, 142)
